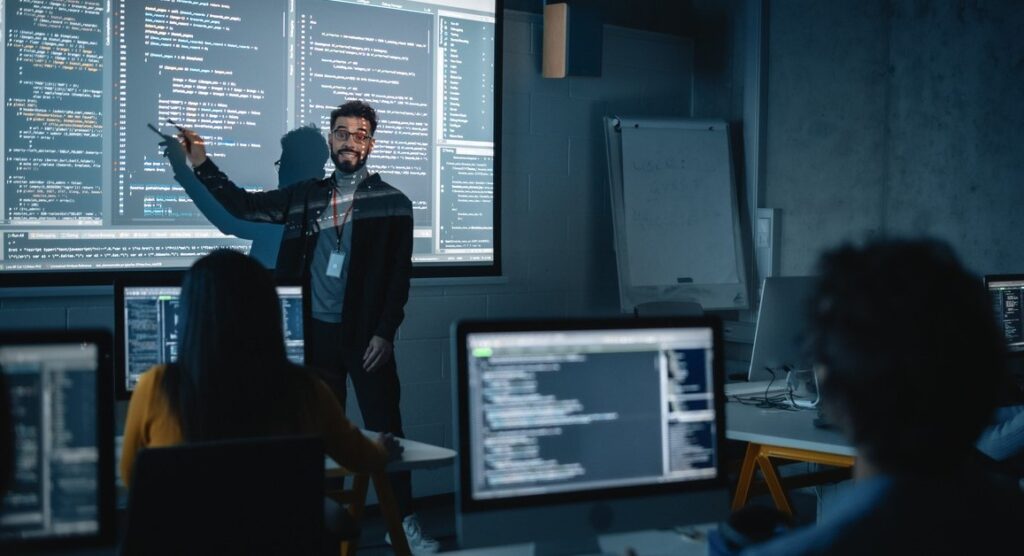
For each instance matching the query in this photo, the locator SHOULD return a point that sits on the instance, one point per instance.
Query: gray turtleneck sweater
(328, 292)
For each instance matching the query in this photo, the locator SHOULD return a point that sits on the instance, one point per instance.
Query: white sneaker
(419, 543)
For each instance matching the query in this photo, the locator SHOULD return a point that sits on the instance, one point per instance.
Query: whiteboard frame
(720, 296)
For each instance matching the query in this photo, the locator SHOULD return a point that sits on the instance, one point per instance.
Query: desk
(777, 433)
(415, 455)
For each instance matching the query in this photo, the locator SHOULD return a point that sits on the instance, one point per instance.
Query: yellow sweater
(151, 423)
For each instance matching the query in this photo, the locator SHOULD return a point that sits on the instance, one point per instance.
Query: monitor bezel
(462, 329)
(990, 278)
(121, 391)
(105, 535)
(775, 314)
(1015, 350)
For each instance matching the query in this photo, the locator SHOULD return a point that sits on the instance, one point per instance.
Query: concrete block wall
(956, 161)
(826, 122)
(557, 235)
(897, 118)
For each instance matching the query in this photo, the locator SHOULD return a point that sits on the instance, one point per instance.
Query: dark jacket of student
(961, 513)
(381, 258)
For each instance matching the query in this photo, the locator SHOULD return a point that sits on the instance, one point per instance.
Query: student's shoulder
(910, 517)
(307, 379)
(148, 390)
(150, 380)
(324, 395)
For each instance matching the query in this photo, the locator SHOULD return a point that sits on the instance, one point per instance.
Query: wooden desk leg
(771, 478)
(360, 483)
(392, 516)
(746, 477)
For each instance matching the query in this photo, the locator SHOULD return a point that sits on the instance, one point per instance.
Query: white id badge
(335, 264)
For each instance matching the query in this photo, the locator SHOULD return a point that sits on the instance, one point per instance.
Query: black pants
(378, 392)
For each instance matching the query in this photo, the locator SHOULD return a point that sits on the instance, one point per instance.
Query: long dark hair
(232, 377)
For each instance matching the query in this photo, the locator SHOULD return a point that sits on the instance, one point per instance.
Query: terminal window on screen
(1006, 299)
(151, 328)
(55, 489)
(578, 411)
(86, 185)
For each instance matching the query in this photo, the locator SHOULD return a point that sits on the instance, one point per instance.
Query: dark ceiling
(688, 18)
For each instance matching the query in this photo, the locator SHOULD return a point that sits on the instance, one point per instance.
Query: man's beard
(346, 166)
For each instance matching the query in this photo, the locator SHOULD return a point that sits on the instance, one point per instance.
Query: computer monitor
(781, 328)
(62, 493)
(146, 326)
(571, 429)
(1007, 291)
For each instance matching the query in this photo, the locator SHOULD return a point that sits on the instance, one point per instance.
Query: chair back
(250, 496)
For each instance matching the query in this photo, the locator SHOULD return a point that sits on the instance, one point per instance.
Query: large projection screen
(89, 193)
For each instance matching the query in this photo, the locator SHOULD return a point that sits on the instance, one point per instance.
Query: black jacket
(380, 263)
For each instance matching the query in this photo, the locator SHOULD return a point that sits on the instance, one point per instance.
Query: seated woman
(232, 378)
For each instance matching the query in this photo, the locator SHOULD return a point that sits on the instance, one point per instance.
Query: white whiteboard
(676, 213)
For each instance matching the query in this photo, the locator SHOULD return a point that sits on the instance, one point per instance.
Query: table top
(415, 455)
(779, 427)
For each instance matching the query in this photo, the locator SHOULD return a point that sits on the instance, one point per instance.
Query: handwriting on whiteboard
(659, 165)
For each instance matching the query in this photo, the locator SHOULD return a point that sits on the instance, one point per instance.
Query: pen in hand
(184, 137)
(173, 123)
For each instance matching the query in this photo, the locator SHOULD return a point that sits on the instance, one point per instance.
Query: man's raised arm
(266, 206)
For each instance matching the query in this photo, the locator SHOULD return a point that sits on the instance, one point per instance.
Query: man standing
(348, 238)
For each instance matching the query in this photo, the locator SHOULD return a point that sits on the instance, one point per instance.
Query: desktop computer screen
(61, 407)
(781, 328)
(1007, 291)
(147, 329)
(580, 416)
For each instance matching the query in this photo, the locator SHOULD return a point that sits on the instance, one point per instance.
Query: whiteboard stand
(675, 213)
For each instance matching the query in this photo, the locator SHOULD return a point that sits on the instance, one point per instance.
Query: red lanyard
(334, 208)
